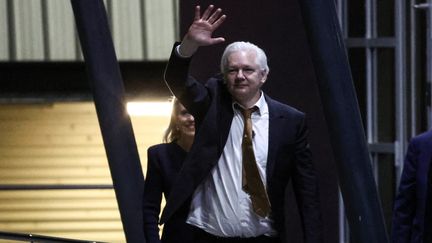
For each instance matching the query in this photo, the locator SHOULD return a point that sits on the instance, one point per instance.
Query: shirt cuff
(177, 51)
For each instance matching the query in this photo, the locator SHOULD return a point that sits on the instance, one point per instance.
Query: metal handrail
(27, 237)
(54, 187)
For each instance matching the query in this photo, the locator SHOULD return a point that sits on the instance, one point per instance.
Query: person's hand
(201, 30)
(203, 26)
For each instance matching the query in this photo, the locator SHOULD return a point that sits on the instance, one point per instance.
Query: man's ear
(264, 76)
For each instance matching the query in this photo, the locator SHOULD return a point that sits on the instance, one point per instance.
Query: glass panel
(386, 95)
(386, 185)
(385, 17)
(357, 62)
(356, 18)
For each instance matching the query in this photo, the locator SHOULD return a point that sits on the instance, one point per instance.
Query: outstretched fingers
(210, 16)
(197, 13)
(219, 21)
(207, 12)
(201, 30)
(215, 16)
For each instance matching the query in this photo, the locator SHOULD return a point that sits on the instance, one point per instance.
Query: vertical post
(116, 128)
(342, 114)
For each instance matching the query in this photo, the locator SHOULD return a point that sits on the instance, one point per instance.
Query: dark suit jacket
(409, 206)
(289, 155)
(427, 232)
(163, 164)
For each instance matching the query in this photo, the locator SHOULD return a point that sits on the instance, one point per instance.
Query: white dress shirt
(219, 205)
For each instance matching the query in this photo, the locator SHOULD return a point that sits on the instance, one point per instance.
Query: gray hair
(261, 57)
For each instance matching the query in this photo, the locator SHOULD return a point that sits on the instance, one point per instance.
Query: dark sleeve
(153, 189)
(405, 202)
(305, 186)
(191, 93)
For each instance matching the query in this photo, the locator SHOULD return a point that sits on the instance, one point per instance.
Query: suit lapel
(225, 117)
(275, 124)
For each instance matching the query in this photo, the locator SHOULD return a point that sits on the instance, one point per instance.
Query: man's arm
(192, 94)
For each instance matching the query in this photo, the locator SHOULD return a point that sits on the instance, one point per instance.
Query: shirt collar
(261, 104)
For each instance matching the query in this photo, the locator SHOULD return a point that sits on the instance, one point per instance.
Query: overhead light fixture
(148, 108)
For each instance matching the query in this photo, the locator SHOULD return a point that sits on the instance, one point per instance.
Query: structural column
(116, 128)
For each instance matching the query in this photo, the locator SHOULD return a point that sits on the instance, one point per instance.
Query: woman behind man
(163, 164)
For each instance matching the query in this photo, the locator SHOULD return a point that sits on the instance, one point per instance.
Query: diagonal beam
(116, 128)
(342, 114)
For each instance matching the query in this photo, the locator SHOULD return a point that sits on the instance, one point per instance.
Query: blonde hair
(172, 133)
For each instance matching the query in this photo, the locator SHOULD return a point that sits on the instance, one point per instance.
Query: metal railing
(27, 237)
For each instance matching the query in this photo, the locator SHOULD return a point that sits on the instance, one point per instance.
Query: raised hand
(201, 30)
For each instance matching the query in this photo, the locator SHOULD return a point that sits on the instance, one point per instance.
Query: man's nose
(240, 74)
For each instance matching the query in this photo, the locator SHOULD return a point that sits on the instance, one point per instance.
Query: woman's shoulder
(160, 146)
(163, 147)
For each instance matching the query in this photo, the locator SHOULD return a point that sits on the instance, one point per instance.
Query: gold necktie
(252, 183)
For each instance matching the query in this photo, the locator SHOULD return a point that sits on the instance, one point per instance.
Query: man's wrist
(178, 52)
(187, 48)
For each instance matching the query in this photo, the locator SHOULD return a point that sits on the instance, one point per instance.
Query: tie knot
(246, 112)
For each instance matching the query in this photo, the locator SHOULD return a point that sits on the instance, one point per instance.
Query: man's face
(244, 77)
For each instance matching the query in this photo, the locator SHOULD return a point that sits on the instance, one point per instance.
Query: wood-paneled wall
(44, 30)
(60, 144)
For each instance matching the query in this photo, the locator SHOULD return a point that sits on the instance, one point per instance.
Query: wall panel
(28, 30)
(4, 33)
(59, 144)
(160, 29)
(44, 30)
(60, 31)
(127, 29)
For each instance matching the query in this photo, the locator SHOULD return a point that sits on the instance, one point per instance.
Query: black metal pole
(346, 132)
(116, 128)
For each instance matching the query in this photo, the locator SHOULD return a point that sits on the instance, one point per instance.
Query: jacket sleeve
(405, 202)
(305, 184)
(153, 189)
(191, 93)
